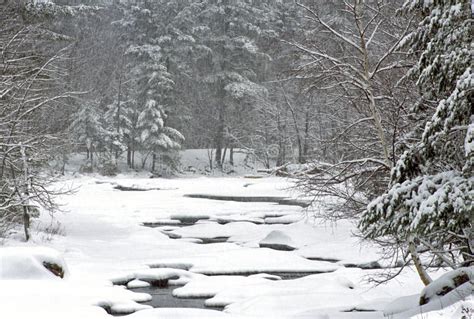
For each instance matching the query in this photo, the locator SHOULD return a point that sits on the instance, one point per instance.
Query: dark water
(163, 298)
(284, 275)
(262, 199)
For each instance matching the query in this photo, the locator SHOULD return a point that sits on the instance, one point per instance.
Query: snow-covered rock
(463, 309)
(278, 240)
(439, 298)
(447, 283)
(19, 263)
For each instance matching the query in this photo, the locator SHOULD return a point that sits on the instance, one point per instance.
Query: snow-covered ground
(101, 238)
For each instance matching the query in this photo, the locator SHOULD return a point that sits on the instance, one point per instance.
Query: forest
(366, 106)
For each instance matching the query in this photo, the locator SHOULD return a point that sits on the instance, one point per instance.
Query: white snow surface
(102, 239)
(461, 309)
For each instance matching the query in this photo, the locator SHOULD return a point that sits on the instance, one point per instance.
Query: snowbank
(19, 263)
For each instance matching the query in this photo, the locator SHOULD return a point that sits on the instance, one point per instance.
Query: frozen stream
(211, 250)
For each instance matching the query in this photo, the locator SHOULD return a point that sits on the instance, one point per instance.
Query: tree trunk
(26, 191)
(153, 162)
(129, 157)
(224, 155)
(468, 251)
(133, 158)
(231, 156)
(425, 278)
(218, 156)
(210, 155)
(369, 89)
(219, 139)
(119, 109)
(26, 222)
(295, 123)
(378, 124)
(281, 157)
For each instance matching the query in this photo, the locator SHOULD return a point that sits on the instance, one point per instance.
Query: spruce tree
(430, 200)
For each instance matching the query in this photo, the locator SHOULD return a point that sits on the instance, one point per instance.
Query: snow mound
(18, 263)
(206, 287)
(461, 309)
(447, 283)
(171, 264)
(278, 240)
(440, 297)
(249, 261)
(155, 277)
(311, 291)
(137, 284)
(311, 304)
(239, 218)
(286, 219)
(66, 299)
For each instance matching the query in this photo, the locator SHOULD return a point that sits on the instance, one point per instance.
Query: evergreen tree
(88, 130)
(150, 82)
(430, 200)
(225, 37)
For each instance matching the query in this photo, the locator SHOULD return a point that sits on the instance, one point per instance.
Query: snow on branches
(431, 195)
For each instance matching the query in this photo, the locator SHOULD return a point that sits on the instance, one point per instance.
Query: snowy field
(251, 259)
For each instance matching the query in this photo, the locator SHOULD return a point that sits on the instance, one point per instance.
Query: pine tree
(227, 57)
(119, 127)
(88, 130)
(430, 200)
(151, 84)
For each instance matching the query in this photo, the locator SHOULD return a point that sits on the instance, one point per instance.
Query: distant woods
(281, 81)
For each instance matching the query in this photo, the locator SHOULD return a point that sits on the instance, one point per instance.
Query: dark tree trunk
(219, 139)
(231, 156)
(224, 155)
(221, 93)
(153, 162)
(26, 222)
(133, 159)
